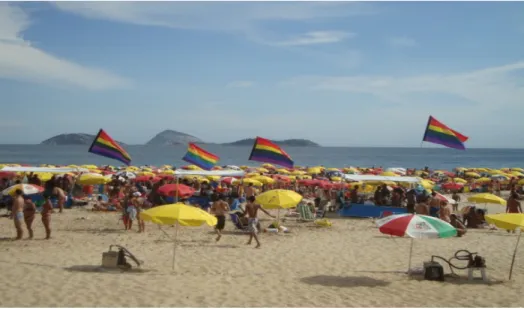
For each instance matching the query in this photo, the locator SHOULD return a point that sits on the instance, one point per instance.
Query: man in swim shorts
(252, 212)
(17, 213)
(220, 208)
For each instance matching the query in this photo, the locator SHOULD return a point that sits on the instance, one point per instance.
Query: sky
(338, 73)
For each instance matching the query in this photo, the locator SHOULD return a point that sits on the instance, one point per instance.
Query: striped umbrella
(415, 226)
(27, 189)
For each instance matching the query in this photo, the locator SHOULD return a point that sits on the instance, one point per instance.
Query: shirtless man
(17, 213)
(252, 212)
(422, 208)
(219, 209)
(250, 190)
(434, 204)
(445, 212)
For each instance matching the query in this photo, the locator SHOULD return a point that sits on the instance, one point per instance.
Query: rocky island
(172, 137)
(169, 137)
(72, 139)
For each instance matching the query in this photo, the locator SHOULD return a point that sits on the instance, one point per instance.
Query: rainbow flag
(200, 157)
(438, 133)
(268, 152)
(104, 145)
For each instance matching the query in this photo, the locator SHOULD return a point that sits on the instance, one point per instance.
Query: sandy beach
(348, 265)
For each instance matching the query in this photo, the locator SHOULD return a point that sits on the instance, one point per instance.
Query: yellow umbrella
(178, 214)
(92, 179)
(517, 169)
(508, 221)
(333, 169)
(487, 198)
(315, 170)
(483, 180)
(516, 174)
(472, 175)
(193, 167)
(268, 166)
(389, 174)
(263, 170)
(248, 181)
(460, 180)
(279, 199)
(521, 182)
(283, 171)
(264, 180)
(297, 172)
(214, 178)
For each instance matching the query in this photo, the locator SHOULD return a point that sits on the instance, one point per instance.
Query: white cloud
(402, 42)
(487, 89)
(236, 17)
(240, 84)
(316, 37)
(20, 61)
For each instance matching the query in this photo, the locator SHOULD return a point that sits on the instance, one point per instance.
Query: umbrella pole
(174, 245)
(410, 255)
(514, 254)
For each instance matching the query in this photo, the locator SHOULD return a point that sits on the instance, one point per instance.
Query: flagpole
(426, 131)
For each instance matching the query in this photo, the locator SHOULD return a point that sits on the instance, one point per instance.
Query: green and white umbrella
(415, 226)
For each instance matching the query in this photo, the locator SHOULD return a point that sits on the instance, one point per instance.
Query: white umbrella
(126, 174)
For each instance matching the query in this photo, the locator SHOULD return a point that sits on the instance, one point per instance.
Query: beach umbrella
(228, 180)
(281, 178)
(521, 182)
(389, 174)
(279, 199)
(508, 221)
(7, 174)
(415, 226)
(178, 214)
(27, 189)
(249, 181)
(444, 198)
(172, 190)
(232, 167)
(460, 180)
(452, 186)
(92, 179)
(264, 179)
(472, 174)
(126, 174)
(517, 169)
(487, 198)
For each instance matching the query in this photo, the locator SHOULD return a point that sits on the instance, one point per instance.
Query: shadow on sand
(336, 281)
(100, 269)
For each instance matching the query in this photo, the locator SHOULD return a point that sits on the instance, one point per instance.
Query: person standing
(219, 209)
(17, 213)
(252, 213)
(29, 216)
(47, 209)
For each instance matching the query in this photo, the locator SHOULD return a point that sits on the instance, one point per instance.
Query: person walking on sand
(47, 209)
(29, 216)
(252, 212)
(17, 213)
(219, 208)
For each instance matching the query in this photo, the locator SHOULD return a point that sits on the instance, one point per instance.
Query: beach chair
(235, 219)
(304, 213)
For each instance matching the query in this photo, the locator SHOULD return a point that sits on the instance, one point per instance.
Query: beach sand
(348, 265)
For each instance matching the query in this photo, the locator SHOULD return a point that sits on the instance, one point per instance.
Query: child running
(252, 211)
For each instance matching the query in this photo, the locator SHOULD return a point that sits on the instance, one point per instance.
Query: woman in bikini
(47, 209)
(29, 216)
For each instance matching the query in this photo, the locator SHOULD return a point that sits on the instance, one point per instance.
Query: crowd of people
(132, 196)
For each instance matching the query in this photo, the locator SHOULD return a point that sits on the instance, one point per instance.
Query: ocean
(435, 158)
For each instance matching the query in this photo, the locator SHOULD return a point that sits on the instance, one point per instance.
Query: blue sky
(341, 74)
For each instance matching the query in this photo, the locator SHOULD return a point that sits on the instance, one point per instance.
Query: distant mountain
(289, 142)
(171, 137)
(72, 139)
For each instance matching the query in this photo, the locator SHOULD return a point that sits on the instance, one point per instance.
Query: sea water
(435, 158)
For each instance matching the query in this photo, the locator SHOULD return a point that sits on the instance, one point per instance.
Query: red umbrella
(311, 182)
(282, 178)
(452, 186)
(146, 178)
(228, 180)
(171, 190)
(166, 176)
(7, 174)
